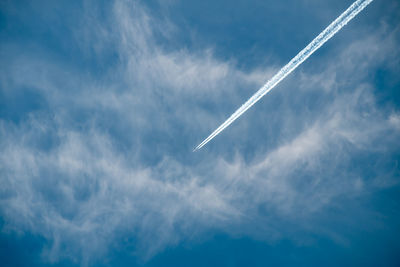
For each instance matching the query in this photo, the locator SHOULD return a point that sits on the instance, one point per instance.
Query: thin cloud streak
(321, 39)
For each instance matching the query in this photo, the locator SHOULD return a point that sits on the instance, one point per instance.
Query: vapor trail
(322, 38)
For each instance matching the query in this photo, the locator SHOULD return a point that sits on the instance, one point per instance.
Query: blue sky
(102, 103)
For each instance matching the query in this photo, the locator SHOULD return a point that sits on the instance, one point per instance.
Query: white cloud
(394, 120)
(72, 180)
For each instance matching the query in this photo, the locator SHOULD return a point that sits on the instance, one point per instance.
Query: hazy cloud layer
(96, 160)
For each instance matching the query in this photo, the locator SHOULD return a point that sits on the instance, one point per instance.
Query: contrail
(322, 38)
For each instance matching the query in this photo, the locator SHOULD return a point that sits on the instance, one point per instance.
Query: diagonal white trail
(322, 38)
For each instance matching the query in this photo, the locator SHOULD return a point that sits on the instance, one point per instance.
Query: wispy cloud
(97, 161)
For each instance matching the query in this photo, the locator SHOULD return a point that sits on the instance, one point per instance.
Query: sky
(102, 103)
